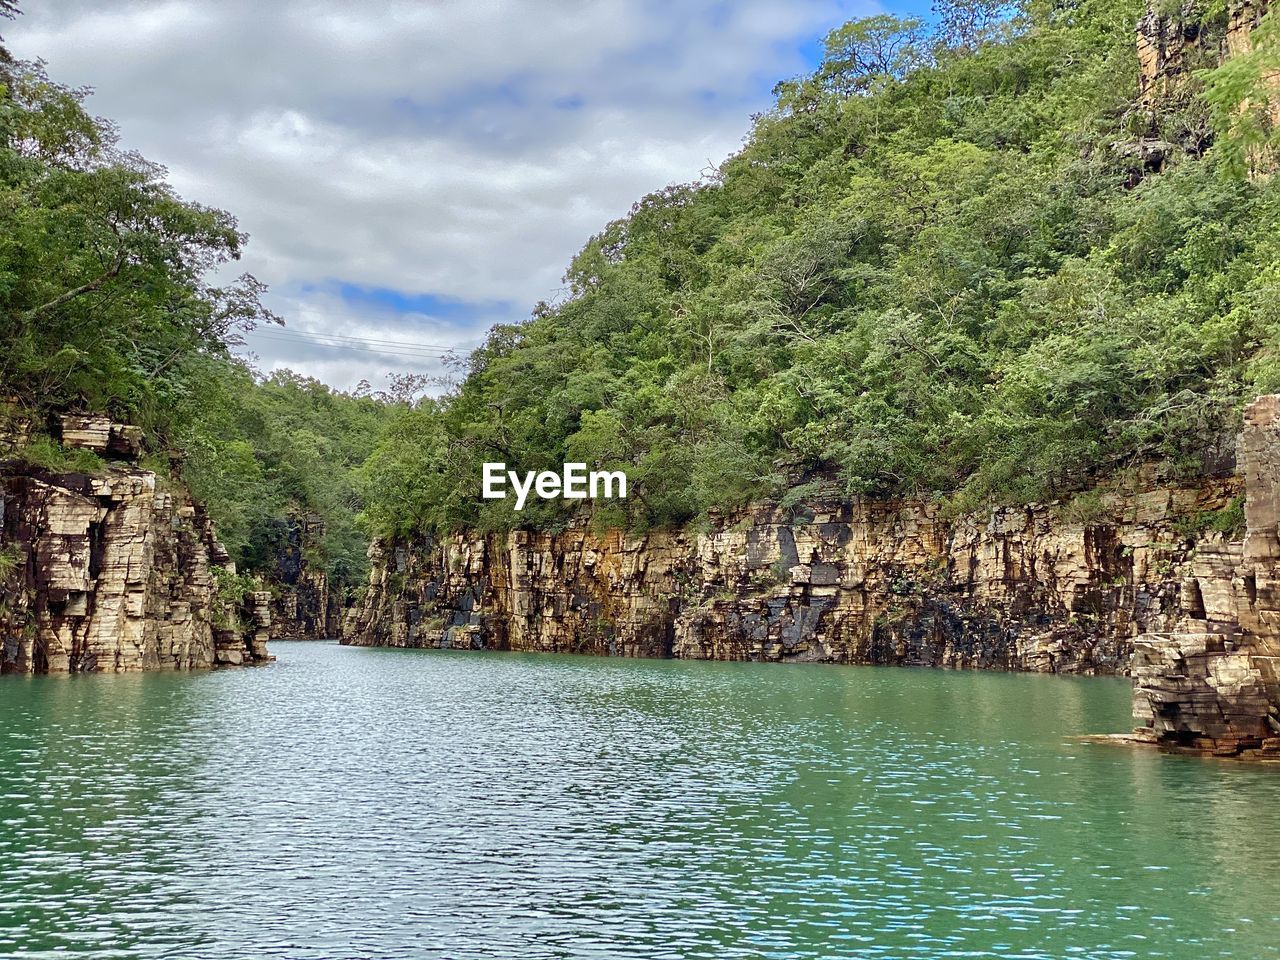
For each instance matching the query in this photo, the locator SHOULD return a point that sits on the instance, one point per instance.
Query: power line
(421, 354)
(310, 334)
(344, 338)
(401, 348)
(361, 344)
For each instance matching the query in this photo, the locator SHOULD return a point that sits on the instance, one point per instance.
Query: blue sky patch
(452, 310)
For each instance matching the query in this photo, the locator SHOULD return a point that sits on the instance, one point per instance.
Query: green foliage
(780, 571)
(230, 592)
(939, 266)
(102, 265)
(105, 307)
(930, 271)
(44, 451)
(261, 452)
(1085, 508)
(1229, 521)
(11, 558)
(864, 53)
(1242, 92)
(403, 481)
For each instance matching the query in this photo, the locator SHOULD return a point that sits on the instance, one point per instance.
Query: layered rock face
(302, 605)
(1139, 578)
(1172, 42)
(1212, 682)
(855, 582)
(108, 572)
(101, 435)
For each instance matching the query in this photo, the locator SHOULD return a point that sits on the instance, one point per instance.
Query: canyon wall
(1173, 41)
(302, 606)
(110, 571)
(1211, 682)
(1043, 588)
(1138, 577)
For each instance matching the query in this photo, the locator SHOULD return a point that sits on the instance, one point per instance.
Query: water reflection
(364, 803)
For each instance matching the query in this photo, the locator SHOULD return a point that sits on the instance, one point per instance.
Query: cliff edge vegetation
(985, 260)
(107, 308)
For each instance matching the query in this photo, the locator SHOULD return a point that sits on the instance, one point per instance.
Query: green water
(377, 803)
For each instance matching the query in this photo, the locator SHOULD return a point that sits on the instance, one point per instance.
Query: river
(349, 802)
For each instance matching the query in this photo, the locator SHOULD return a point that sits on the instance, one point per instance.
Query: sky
(415, 172)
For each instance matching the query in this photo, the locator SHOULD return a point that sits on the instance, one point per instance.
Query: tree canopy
(105, 307)
(944, 264)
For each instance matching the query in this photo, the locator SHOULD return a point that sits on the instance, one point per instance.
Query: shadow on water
(387, 803)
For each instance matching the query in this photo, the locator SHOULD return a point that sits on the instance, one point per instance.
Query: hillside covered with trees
(964, 259)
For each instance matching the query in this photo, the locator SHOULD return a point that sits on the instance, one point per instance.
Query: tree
(102, 265)
(965, 24)
(8, 10)
(863, 53)
(1244, 93)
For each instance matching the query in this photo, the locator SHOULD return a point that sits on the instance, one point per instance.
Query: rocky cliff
(1064, 587)
(1171, 41)
(109, 571)
(1174, 40)
(1139, 575)
(302, 607)
(1212, 681)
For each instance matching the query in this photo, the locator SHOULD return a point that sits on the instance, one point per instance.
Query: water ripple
(397, 804)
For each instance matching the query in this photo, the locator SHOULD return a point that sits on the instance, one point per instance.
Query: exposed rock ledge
(1211, 683)
(107, 572)
(895, 583)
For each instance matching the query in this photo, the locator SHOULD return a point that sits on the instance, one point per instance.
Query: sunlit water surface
(379, 804)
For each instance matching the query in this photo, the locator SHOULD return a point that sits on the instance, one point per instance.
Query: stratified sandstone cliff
(1212, 681)
(856, 582)
(1136, 576)
(1173, 41)
(110, 572)
(1170, 40)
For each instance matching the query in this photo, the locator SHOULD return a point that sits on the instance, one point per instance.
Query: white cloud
(463, 148)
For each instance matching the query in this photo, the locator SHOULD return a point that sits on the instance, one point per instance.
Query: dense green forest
(945, 264)
(961, 259)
